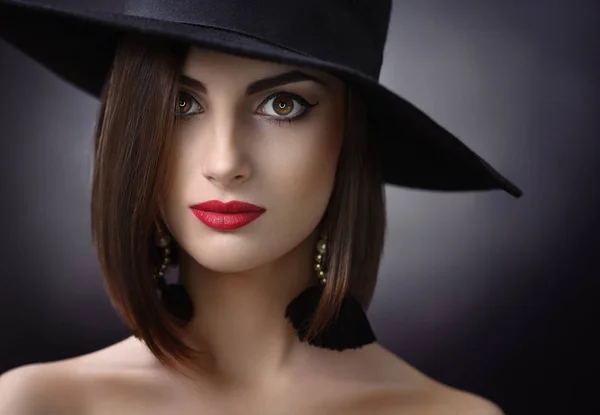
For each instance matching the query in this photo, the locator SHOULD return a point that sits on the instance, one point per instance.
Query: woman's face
(257, 132)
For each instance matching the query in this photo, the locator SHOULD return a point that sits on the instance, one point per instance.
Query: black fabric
(349, 330)
(176, 300)
(77, 40)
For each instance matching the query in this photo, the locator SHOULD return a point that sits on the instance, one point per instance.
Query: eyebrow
(261, 84)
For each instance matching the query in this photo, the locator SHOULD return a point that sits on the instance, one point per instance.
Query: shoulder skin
(37, 389)
(455, 402)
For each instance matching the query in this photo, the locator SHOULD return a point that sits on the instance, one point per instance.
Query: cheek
(306, 163)
(302, 177)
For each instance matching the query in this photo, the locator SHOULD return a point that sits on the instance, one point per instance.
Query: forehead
(206, 64)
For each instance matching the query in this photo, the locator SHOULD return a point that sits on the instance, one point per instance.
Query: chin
(227, 265)
(234, 258)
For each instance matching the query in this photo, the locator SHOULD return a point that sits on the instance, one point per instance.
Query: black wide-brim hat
(77, 39)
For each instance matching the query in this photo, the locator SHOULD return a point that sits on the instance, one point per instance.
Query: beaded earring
(350, 330)
(174, 297)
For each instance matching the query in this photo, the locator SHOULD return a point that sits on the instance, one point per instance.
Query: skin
(242, 280)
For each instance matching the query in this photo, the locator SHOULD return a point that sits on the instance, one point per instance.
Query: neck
(239, 318)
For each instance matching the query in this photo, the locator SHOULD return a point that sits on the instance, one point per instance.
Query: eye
(187, 105)
(285, 105)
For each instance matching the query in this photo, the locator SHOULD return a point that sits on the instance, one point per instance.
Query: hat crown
(348, 32)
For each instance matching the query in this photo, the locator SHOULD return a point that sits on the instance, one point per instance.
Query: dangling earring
(174, 297)
(350, 330)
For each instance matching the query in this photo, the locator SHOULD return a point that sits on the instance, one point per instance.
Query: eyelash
(307, 106)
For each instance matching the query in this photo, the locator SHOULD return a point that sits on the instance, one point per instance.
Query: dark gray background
(482, 291)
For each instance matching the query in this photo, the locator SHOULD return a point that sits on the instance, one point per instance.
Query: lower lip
(225, 221)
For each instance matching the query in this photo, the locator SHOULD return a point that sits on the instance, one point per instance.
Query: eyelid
(293, 95)
(189, 92)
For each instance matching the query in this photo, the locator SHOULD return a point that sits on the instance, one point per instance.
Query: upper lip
(234, 206)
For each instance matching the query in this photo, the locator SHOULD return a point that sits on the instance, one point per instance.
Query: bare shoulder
(68, 386)
(40, 388)
(432, 399)
(429, 402)
(406, 390)
(453, 401)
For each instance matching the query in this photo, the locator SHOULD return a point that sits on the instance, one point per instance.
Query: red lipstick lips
(226, 216)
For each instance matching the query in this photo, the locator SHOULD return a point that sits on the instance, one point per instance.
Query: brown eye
(283, 105)
(185, 104)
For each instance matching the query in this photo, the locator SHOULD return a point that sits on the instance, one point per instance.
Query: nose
(226, 159)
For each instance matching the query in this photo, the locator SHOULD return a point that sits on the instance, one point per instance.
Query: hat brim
(78, 45)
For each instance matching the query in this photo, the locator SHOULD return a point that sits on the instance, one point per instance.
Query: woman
(249, 155)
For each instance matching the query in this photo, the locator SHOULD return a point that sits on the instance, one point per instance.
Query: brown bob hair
(131, 171)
